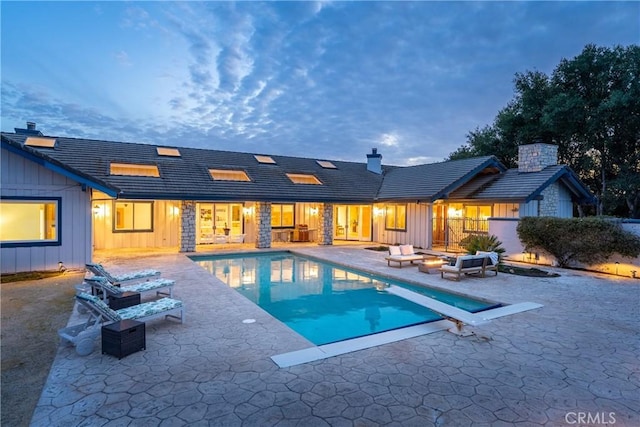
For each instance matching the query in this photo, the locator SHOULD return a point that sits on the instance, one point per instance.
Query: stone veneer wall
(325, 231)
(188, 226)
(263, 219)
(535, 157)
(550, 200)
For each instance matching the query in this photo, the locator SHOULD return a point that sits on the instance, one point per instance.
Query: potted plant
(226, 229)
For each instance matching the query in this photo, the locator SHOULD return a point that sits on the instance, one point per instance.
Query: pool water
(325, 302)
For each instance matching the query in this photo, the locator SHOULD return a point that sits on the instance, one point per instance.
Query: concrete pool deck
(574, 361)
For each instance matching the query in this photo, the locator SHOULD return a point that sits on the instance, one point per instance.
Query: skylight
(228, 175)
(298, 178)
(326, 164)
(265, 159)
(133, 169)
(169, 152)
(34, 141)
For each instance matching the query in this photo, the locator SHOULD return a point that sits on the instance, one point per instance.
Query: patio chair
(83, 335)
(99, 270)
(161, 287)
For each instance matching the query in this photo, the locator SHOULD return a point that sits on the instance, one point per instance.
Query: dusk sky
(327, 80)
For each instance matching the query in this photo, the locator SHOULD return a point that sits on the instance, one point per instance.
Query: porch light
(313, 211)
(98, 210)
(247, 211)
(174, 210)
(454, 213)
(378, 211)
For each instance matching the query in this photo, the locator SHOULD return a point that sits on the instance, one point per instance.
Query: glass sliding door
(352, 222)
(217, 218)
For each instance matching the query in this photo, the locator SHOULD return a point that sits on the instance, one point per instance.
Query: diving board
(458, 314)
(439, 307)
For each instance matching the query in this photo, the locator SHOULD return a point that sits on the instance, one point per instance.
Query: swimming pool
(325, 302)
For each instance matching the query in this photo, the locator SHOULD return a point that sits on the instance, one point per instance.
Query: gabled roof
(187, 177)
(522, 187)
(434, 181)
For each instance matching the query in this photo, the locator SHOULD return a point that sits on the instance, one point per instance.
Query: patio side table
(123, 338)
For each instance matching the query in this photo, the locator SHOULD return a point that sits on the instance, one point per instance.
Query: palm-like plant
(482, 242)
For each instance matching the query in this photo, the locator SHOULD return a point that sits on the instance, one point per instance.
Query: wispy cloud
(321, 79)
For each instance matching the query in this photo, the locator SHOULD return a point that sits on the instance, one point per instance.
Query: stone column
(325, 229)
(263, 220)
(187, 226)
(550, 200)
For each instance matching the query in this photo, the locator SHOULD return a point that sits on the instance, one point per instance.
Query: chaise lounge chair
(402, 253)
(161, 287)
(83, 335)
(99, 270)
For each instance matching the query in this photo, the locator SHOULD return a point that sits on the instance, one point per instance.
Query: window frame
(134, 230)
(474, 219)
(37, 243)
(281, 205)
(394, 226)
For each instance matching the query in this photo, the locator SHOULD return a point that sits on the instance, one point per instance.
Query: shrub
(482, 242)
(585, 240)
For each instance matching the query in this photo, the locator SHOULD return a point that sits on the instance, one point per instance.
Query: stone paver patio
(577, 356)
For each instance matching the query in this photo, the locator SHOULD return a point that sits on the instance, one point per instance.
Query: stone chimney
(374, 161)
(537, 156)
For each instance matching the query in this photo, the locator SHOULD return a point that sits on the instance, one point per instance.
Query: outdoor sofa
(469, 264)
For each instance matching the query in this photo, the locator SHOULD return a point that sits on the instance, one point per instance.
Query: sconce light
(454, 213)
(378, 211)
(98, 210)
(248, 211)
(313, 211)
(174, 210)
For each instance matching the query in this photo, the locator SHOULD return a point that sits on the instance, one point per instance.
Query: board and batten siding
(166, 226)
(419, 226)
(24, 178)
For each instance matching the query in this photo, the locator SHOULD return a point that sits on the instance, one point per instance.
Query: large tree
(590, 108)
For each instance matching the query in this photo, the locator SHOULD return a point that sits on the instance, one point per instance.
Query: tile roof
(187, 177)
(517, 186)
(433, 181)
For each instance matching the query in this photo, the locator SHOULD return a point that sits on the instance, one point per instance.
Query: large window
(475, 218)
(133, 216)
(30, 222)
(282, 216)
(396, 217)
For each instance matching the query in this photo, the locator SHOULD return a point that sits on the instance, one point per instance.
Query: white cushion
(394, 250)
(406, 249)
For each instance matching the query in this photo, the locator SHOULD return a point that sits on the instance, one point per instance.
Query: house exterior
(63, 198)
